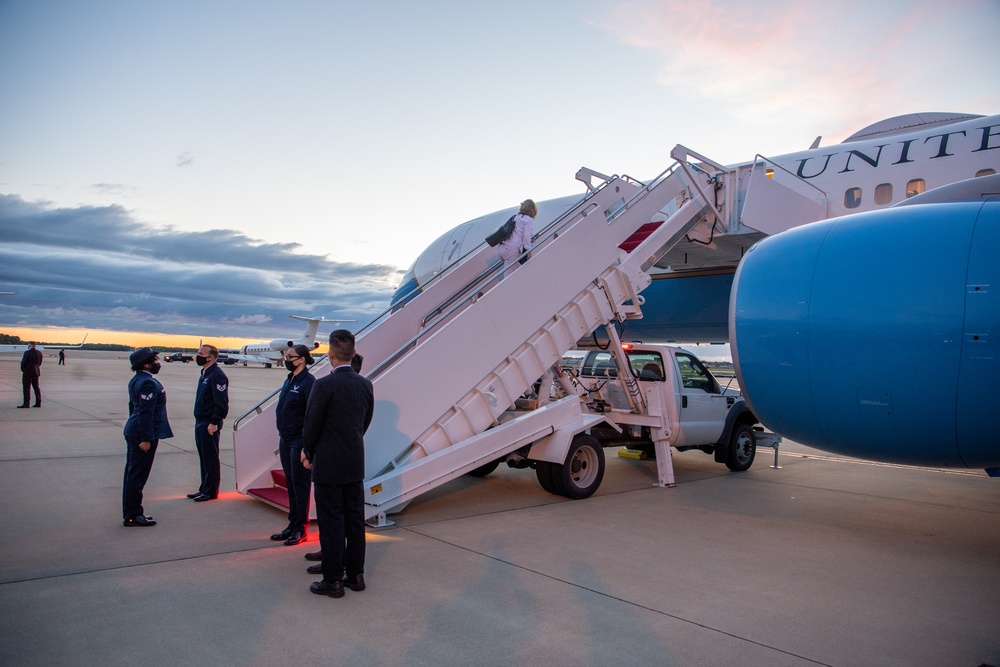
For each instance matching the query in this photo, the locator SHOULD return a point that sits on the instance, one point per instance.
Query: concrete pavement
(825, 561)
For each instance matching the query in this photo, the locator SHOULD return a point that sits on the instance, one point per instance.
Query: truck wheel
(485, 469)
(583, 471)
(546, 473)
(742, 448)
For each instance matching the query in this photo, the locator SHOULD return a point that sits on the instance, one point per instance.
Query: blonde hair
(529, 209)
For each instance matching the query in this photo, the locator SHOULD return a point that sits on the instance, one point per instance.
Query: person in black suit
(211, 405)
(146, 424)
(31, 370)
(337, 416)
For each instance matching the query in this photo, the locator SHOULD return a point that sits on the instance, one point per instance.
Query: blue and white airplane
(872, 335)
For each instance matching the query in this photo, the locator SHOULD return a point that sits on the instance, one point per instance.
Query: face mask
(200, 360)
(154, 367)
(290, 365)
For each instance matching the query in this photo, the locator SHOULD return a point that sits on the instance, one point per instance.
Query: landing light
(769, 173)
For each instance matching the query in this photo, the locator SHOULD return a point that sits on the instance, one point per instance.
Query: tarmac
(825, 561)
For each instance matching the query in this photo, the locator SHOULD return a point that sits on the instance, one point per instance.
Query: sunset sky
(208, 168)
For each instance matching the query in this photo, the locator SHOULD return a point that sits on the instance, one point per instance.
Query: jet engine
(877, 335)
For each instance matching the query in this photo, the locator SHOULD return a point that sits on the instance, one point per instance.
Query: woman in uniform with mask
(146, 424)
(289, 416)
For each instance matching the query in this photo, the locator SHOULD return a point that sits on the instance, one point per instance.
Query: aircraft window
(985, 172)
(914, 187)
(694, 375)
(852, 198)
(883, 194)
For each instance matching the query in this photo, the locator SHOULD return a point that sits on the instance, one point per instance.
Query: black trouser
(341, 514)
(27, 382)
(298, 481)
(208, 456)
(137, 466)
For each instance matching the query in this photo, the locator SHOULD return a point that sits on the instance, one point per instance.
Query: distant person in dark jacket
(211, 405)
(289, 416)
(62, 357)
(31, 370)
(147, 424)
(338, 414)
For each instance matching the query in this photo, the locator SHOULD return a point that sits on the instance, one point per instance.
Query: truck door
(703, 407)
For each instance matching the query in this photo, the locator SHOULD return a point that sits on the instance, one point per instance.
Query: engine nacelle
(876, 335)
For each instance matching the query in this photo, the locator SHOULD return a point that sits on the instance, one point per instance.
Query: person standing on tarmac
(289, 415)
(211, 405)
(146, 424)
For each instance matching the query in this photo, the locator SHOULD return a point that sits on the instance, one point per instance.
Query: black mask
(200, 360)
(290, 365)
(154, 367)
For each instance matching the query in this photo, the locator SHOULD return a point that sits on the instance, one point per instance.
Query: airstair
(449, 363)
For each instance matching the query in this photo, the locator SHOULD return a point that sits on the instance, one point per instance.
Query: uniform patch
(146, 397)
(221, 387)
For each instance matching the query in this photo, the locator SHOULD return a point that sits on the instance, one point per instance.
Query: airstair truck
(449, 363)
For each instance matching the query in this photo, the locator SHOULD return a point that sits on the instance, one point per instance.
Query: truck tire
(545, 472)
(484, 470)
(742, 447)
(583, 470)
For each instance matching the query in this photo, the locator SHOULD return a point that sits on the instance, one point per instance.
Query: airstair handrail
(257, 409)
(766, 160)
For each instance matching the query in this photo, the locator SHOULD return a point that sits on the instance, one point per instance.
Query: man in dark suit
(31, 370)
(338, 414)
(147, 423)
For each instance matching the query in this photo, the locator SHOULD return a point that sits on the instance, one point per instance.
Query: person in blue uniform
(338, 414)
(211, 405)
(146, 425)
(289, 415)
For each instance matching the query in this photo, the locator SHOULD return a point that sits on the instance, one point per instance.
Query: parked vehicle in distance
(225, 359)
(178, 356)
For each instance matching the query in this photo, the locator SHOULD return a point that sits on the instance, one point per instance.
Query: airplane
(891, 171)
(271, 353)
(40, 347)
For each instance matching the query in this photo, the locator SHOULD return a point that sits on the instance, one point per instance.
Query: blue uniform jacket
(211, 401)
(147, 409)
(291, 411)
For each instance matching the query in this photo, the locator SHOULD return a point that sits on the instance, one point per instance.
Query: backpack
(502, 233)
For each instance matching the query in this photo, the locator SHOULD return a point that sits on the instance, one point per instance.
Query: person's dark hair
(303, 351)
(342, 345)
(212, 350)
(356, 362)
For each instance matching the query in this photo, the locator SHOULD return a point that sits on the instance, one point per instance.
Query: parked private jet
(270, 353)
(20, 348)
(874, 334)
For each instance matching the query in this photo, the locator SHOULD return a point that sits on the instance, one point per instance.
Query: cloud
(97, 267)
(843, 63)
(185, 159)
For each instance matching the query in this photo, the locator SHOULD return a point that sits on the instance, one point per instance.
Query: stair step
(271, 495)
(278, 477)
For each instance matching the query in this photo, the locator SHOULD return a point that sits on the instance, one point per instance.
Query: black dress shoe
(283, 535)
(36, 405)
(24, 406)
(194, 495)
(139, 521)
(314, 555)
(334, 590)
(295, 538)
(315, 569)
(200, 498)
(355, 583)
